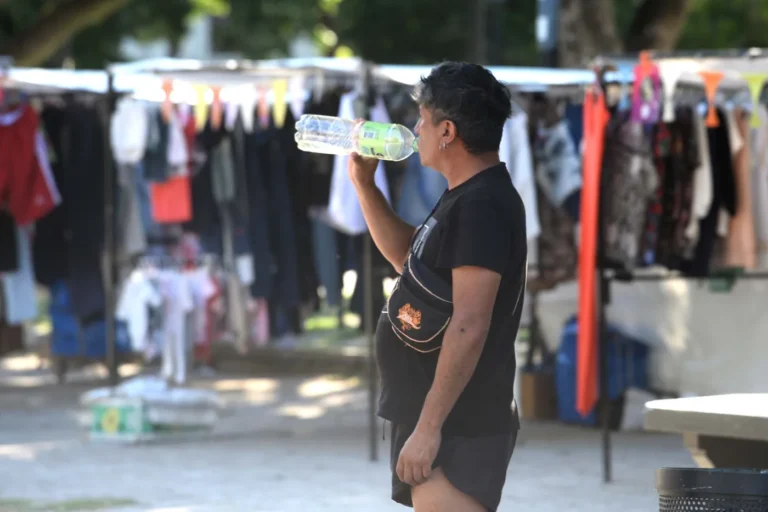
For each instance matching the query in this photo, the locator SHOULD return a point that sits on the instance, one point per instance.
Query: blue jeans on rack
(420, 191)
(326, 253)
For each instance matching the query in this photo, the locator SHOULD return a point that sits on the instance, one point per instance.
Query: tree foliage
(39, 32)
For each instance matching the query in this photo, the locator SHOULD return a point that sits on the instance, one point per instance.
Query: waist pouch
(420, 307)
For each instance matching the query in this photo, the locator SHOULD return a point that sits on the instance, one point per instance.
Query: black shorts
(477, 466)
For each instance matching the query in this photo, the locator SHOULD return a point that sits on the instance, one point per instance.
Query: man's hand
(362, 169)
(415, 462)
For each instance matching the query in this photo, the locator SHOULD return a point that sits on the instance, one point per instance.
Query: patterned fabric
(557, 255)
(678, 158)
(661, 144)
(630, 181)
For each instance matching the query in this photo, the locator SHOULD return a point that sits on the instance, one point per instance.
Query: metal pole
(362, 109)
(110, 240)
(372, 372)
(603, 299)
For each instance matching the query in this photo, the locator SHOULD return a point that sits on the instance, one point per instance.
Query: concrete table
(722, 431)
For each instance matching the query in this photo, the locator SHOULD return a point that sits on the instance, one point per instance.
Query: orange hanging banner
(596, 117)
(216, 108)
(167, 108)
(712, 80)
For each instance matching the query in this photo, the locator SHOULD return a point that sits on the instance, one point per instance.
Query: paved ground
(287, 444)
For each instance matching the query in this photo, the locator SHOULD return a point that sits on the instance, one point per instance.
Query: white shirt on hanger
(515, 151)
(702, 180)
(128, 131)
(177, 153)
(137, 296)
(344, 208)
(178, 302)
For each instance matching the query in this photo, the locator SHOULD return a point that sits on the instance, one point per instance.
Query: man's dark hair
(471, 97)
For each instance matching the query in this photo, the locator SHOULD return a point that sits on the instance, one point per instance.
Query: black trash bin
(712, 490)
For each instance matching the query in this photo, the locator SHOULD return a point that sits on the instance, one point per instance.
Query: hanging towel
(515, 151)
(702, 180)
(128, 133)
(343, 205)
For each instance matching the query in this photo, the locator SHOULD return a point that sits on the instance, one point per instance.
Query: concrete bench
(722, 431)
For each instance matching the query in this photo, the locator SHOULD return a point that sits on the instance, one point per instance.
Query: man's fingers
(426, 470)
(408, 475)
(400, 469)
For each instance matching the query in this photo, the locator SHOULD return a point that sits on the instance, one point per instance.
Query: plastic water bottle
(336, 136)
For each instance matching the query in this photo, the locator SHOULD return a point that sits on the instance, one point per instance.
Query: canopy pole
(110, 240)
(362, 109)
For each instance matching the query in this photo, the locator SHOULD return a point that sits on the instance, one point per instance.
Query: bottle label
(372, 139)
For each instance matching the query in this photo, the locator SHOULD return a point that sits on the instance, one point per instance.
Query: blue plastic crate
(627, 367)
(68, 339)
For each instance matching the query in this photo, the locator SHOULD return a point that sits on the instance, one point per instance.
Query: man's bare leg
(438, 495)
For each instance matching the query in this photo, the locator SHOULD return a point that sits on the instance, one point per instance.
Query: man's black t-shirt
(479, 223)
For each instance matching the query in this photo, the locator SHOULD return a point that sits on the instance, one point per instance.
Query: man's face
(429, 138)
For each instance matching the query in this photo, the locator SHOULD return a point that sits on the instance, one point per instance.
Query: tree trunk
(588, 29)
(657, 25)
(44, 38)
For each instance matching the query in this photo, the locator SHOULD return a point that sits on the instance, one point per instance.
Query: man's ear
(448, 131)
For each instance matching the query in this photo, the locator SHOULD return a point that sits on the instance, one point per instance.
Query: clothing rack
(320, 73)
(59, 83)
(730, 92)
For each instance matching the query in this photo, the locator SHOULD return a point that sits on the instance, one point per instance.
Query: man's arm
(474, 295)
(391, 234)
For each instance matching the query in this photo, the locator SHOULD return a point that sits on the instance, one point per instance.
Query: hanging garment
(172, 200)
(156, 154)
(73, 130)
(343, 205)
(19, 286)
(300, 202)
(268, 162)
(759, 148)
(178, 303)
(558, 166)
(630, 181)
(515, 151)
(177, 151)
(129, 131)
(9, 256)
(317, 168)
(596, 118)
(324, 241)
(421, 188)
(740, 241)
(651, 234)
(557, 257)
(27, 185)
(136, 298)
(131, 236)
(202, 289)
(685, 162)
(676, 162)
(722, 196)
(702, 183)
(223, 172)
